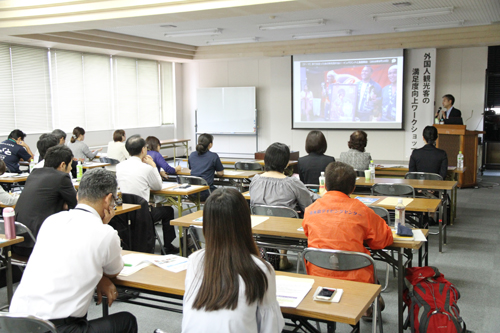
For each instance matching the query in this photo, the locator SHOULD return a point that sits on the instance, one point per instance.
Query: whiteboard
(228, 110)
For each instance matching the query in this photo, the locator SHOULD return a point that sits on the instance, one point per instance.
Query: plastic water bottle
(322, 188)
(371, 167)
(460, 160)
(399, 214)
(119, 198)
(9, 216)
(79, 171)
(32, 164)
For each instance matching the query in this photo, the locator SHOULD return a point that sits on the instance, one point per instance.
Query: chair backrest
(360, 173)
(337, 260)
(274, 211)
(398, 190)
(111, 161)
(140, 234)
(423, 176)
(20, 229)
(383, 213)
(249, 166)
(10, 322)
(196, 233)
(192, 180)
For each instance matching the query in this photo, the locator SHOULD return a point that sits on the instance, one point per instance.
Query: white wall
(459, 72)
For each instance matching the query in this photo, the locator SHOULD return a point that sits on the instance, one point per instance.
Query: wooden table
(6, 256)
(13, 179)
(355, 301)
(92, 165)
(174, 143)
(125, 208)
(173, 194)
(235, 179)
(442, 186)
(401, 171)
(291, 228)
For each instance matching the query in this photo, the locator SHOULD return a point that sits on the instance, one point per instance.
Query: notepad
(393, 201)
(291, 291)
(418, 236)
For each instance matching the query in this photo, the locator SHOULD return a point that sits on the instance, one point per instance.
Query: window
(42, 89)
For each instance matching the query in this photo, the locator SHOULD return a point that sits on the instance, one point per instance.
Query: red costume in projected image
(327, 92)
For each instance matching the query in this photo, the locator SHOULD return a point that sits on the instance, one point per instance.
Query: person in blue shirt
(14, 149)
(153, 145)
(205, 164)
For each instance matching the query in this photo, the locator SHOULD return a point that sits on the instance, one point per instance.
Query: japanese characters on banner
(419, 89)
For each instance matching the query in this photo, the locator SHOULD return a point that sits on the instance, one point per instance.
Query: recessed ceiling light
(417, 27)
(412, 14)
(293, 24)
(233, 41)
(402, 4)
(325, 34)
(191, 33)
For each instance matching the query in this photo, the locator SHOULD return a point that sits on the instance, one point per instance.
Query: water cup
(9, 216)
(368, 174)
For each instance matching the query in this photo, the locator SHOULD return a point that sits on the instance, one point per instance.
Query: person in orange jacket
(338, 222)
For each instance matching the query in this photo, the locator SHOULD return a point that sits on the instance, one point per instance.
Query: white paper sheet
(418, 236)
(393, 201)
(256, 220)
(232, 173)
(291, 291)
(170, 262)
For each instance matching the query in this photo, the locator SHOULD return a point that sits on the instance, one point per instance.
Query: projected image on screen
(348, 93)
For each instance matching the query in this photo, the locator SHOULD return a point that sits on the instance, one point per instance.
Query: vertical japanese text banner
(420, 81)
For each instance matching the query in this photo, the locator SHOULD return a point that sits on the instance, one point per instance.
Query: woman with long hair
(229, 288)
(79, 148)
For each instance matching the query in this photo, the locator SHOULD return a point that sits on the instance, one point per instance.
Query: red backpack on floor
(432, 302)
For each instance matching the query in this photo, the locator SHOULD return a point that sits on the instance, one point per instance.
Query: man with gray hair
(84, 254)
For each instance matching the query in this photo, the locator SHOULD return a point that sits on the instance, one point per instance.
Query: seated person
(76, 252)
(80, 148)
(229, 287)
(60, 135)
(153, 145)
(273, 188)
(6, 199)
(327, 227)
(15, 149)
(138, 175)
(311, 166)
(429, 158)
(116, 149)
(48, 190)
(205, 164)
(44, 143)
(356, 156)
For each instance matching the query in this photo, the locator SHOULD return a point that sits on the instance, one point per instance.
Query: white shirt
(8, 199)
(263, 318)
(39, 165)
(73, 250)
(117, 151)
(137, 177)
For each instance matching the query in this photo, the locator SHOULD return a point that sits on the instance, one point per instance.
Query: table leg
(401, 275)
(175, 155)
(442, 215)
(8, 273)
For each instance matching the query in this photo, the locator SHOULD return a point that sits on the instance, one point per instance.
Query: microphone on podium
(438, 111)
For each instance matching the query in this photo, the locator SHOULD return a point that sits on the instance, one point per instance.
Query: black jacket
(45, 193)
(429, 159)
(310, 167)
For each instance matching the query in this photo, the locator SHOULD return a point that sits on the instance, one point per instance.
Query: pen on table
(127, 265)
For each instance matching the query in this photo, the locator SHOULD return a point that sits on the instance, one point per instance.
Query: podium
(455, 138)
